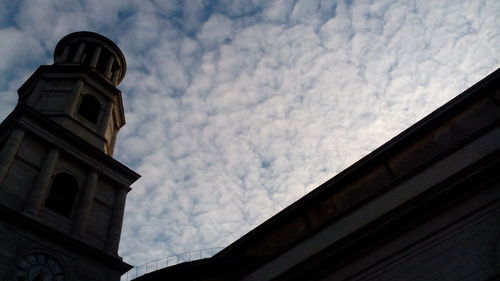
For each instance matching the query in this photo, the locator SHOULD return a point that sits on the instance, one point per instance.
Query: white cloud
(18, 52)
(17, 49)
(217, 30)
(236, 110)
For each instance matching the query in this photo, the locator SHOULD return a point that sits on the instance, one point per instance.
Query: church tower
(62, 195)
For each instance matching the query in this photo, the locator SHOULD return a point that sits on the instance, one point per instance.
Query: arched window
(89, 108)
(62, 194)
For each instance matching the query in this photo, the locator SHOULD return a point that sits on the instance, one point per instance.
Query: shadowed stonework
(62, 196)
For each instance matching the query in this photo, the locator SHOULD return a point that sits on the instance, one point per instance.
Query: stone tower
(62, 195)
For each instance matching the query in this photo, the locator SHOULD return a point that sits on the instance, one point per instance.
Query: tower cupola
(96, 51)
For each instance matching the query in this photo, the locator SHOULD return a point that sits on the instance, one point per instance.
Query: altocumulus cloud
(237, 108)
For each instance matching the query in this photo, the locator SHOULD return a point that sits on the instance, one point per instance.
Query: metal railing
(154, 265)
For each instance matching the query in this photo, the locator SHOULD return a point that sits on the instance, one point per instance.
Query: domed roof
(97, 51)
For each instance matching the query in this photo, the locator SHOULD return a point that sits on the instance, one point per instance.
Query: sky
(236, 109)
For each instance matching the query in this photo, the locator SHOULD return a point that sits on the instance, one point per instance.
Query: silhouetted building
(424, 206)
(62, 195)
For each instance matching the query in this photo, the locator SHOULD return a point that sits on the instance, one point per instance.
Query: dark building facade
(62, 195)
(424, 206)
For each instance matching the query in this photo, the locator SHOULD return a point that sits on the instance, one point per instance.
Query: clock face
(39, 267)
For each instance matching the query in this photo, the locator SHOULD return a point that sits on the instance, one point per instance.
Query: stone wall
(460, 244)
(14, 246)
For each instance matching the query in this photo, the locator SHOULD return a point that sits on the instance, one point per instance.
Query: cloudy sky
(235, 109)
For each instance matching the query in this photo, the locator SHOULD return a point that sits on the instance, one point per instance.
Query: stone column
(9, 151)
(109, 65)
(116, 73)
(105, 118)
(85, 205)
(79, 52)
(115, 225)
(64, 56)
(41, 186)
(95, 57)
(77, 90)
